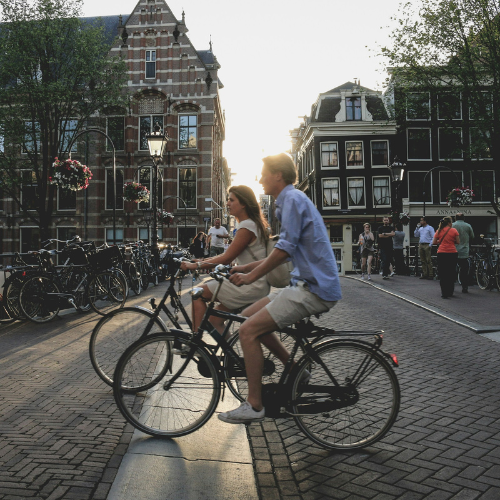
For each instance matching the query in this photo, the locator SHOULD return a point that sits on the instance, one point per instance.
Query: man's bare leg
(258, 324)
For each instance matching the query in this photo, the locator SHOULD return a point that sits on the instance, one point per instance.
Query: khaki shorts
(293, 303)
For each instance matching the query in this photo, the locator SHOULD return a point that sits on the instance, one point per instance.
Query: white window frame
(151, 128)
(180, 205)
(27, 140)
(22, 191)
(364, 192)
(338, 207)
(152, 62)
(196, 115)
(491, 104)
(407, 144)
(470, 148)
(472, 186)
(106, 170)
(59, 209)
(66, 140)
(362, 154)
(447, 172)
(148, 229)
(374, 200)
(110, 229)
(437, 108)
(323, 167)
(439, 143)
(371, 152)
(419, 119)
(416, 202)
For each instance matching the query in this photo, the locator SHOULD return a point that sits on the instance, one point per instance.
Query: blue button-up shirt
(426, 234)
(304, 237)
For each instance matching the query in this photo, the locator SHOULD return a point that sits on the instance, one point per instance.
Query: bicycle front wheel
(114, 333)
(106, 292)
(178, 403)
(483, 273)
(38, 299)
(357, 412)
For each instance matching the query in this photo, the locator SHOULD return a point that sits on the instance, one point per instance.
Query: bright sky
(276, 56)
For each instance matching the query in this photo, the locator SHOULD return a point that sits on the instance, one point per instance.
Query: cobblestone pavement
(61, 434)
(62, 438)
(445, 443)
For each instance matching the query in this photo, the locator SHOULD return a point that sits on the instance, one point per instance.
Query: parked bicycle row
(80, 275)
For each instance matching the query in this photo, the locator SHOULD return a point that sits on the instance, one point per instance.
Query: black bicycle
(342, 392)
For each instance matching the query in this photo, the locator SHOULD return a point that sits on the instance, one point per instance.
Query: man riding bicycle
(314, 289)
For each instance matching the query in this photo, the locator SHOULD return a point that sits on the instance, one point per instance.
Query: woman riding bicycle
(248, 245)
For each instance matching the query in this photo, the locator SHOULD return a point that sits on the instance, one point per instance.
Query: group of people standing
(390, 246)
(452, 240)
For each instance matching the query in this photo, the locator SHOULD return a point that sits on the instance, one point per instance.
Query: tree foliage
(55, 73)
(450, 45)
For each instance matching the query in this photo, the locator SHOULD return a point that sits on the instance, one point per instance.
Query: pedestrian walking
(385, 234)
(425, 233)
(198, 245)
(398, 241)
(466, 234)
(446, 238)
(216, 236)
(366, 242)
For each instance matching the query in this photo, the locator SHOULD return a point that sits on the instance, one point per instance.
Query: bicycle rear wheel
(12, 289)
(357, 413)
(38, 300)
(106, 292)
(114, 333)
(179, 403)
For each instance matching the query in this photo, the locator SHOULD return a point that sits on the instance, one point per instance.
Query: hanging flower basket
(70, 174)
(133, 191)
(400, 218)
(460, 196)
(165, 217)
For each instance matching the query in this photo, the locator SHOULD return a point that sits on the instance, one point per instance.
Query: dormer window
(353, 108)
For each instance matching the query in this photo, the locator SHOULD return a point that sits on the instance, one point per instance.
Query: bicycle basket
(76, 256)
(105, 258)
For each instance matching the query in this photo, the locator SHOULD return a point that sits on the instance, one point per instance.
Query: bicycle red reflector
(394, 359)
(24, 273)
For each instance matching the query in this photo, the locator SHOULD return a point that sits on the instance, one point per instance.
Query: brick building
(342, 151)
(170, 84)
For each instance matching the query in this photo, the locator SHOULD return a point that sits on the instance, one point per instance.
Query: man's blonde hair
(282, 163)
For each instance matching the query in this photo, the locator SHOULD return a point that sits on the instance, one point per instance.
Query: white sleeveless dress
(234, 297)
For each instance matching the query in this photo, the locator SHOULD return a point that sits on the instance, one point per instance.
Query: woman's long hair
(247, 198)
(443, 223)
(201, 233)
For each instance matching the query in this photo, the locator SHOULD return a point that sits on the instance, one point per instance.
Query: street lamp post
(223, 210)
(429, 171)
(397, 169)
(156, 144)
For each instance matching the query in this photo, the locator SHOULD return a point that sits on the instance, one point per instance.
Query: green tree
(450, 45)
(55, 73)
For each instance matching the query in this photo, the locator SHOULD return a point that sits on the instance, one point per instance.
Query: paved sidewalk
(477, 310)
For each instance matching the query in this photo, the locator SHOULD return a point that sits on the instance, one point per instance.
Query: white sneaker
(362, 276)
(244, 414)
(369, 277)
(392, 274)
